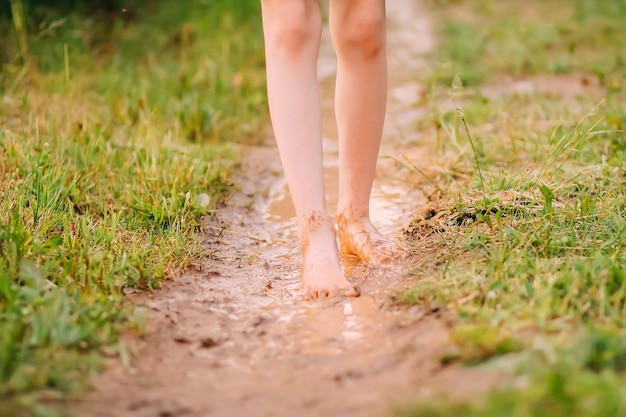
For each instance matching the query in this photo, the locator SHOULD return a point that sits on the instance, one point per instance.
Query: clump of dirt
(440, 217)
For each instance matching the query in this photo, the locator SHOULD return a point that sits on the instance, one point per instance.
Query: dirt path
(233, 338)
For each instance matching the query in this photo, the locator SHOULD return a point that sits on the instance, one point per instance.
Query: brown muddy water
(234, 338)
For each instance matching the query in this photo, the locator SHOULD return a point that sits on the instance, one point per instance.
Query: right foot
(322, 275)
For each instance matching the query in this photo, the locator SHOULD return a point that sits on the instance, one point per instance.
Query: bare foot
(358, 236)
(322, 276)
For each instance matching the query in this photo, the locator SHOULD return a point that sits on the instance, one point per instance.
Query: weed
(534, 240)
(111, 154)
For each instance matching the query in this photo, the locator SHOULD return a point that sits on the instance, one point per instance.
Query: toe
(382, 257)
(340, 292)
(351, 292)
(306, 294)
(386, 251)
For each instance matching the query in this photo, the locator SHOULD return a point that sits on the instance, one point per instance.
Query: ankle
(349, 216)
(314, 227)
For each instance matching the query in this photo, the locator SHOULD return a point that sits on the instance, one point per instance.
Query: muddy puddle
(234, 338)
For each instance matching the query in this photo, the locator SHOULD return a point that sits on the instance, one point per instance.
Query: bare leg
(292, 31)
(358, 29)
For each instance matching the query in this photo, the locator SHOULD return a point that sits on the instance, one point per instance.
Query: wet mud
(234, 338)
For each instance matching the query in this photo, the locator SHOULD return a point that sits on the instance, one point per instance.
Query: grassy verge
(113, 146)
(524, 242)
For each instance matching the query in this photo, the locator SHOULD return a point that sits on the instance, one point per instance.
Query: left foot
(358, 236)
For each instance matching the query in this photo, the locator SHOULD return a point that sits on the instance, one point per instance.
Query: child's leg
(292, 35)
(358, 29)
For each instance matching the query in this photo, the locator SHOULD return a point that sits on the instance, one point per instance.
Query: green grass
(530, 256)
(581, 36)
(115, 141)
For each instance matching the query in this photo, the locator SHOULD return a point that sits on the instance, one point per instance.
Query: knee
(290, 26)
(362, 36)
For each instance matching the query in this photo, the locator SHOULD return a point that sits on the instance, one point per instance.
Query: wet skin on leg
(358, 29)
(292, 30)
